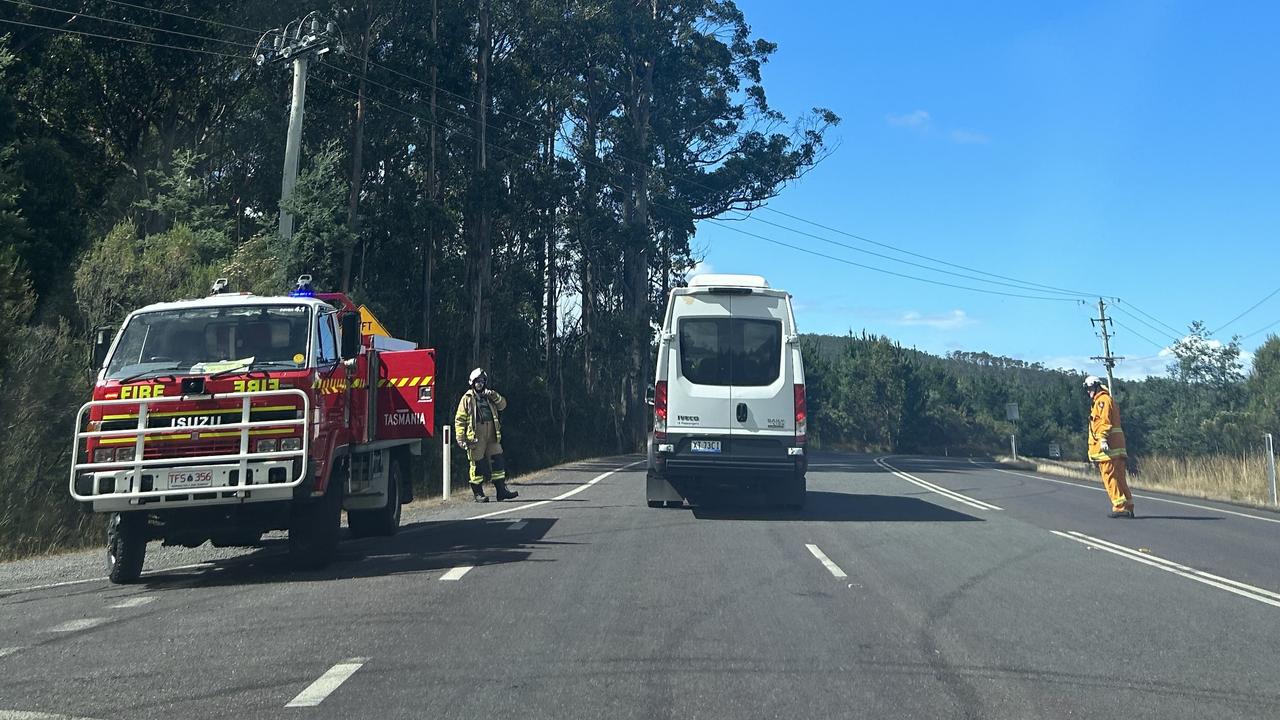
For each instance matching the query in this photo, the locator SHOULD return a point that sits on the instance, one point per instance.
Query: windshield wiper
(144, 373)
(250, 367)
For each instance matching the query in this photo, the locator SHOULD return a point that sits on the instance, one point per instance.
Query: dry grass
(1234, 478)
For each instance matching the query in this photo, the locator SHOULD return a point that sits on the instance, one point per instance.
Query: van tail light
(660, 410)
(802, 416)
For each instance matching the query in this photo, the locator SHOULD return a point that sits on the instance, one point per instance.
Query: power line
(1261, 330)
(1252, 307)
(120, 39)
(1138, 334)
(1020, 283)
(184, 17)
(1116, 306)
(1149, 316)
(99, 18)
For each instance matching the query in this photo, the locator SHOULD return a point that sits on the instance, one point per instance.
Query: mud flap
(658, 489)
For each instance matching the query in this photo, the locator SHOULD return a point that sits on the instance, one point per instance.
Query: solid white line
(9, 651)
(1237, 588)
(1082, 486)
(317, 691)
(457, 573)
(561, 496)
(77, 625)
(950, 494)
(133, 602)
(47, 586)
(518, 525)
(826, 561)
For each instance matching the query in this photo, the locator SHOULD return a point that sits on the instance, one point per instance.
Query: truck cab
(222, 418)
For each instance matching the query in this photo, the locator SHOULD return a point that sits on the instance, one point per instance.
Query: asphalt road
(908, 588)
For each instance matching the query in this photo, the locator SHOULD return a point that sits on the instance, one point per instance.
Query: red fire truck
(224, 418)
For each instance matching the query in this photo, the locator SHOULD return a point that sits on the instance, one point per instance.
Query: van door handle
(742, 412)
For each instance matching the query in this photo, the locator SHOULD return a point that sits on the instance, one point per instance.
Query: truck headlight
(291, 444)
(269, 445)
(104, 455)
(125, 454)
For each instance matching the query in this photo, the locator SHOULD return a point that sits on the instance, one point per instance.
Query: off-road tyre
(126, 546)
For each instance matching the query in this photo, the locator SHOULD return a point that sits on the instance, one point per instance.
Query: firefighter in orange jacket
(478, 430)
(1106, 447)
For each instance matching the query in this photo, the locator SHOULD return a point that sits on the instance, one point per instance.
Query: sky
(1125, 149)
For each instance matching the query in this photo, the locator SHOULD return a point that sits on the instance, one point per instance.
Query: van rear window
(730, 351)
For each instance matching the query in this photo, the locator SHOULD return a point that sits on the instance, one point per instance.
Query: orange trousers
(1113, 479)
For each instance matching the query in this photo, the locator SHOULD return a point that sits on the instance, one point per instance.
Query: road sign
(1011, 412)
(369, 324)
(1055, 451)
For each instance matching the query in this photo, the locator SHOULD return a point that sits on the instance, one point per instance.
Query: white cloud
(968, 137)
(953, 320)
(702, 267)
(918, 119)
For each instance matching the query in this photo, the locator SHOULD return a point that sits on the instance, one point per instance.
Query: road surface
(908, 588)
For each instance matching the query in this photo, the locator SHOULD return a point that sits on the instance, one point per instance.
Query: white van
(728, 397)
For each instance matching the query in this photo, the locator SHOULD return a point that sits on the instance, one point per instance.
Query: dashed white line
(324, 686)
(1232, 586)
(1082, 486)
(457, 573)
(950, 494)
(9, 651)
(826, 561)
(77, 625)
(133, 602)
(517, 525)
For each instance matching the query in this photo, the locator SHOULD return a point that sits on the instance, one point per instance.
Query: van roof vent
(716, 280)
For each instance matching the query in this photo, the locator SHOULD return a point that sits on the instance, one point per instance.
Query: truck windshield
(210, 340)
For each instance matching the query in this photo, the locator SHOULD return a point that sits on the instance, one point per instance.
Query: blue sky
(1130, 149)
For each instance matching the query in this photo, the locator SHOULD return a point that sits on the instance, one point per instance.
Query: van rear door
(700, 393)
(763, 398)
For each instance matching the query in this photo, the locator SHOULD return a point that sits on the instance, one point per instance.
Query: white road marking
(9, 651)
(1232, 586)
(77, 625)
(457, 573)
(1136, 496)
(826, 561)
(950, 494)
(133, 602)
(28, 715)
(317, 691)
(561, 496)
(517, 525)
(149, 573)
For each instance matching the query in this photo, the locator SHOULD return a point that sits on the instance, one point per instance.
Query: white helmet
(477, 374)
(1091, 382)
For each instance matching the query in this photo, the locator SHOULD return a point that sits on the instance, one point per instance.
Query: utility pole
(300, 40)
(1106, 358)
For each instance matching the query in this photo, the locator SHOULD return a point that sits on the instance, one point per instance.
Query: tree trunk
(433, 185)
(480, 245)
(357, 155)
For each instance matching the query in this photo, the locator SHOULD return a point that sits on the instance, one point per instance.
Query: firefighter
(1106, 447)
(479, 431)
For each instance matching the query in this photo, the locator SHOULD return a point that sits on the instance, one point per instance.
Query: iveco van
(728, 398)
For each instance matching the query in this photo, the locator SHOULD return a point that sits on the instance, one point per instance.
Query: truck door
(762, 395)
(700, 393)
(331, 380)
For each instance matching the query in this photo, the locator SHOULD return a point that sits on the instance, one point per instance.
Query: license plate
(193, 479)
(704, 446)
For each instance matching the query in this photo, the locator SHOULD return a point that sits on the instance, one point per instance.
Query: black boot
(478, 490)
(503, 493)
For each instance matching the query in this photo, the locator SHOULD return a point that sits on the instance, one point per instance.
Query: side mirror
(350, 328)
(650, 394)
(102, 345)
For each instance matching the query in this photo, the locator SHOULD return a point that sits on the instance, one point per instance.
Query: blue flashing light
(303, 288)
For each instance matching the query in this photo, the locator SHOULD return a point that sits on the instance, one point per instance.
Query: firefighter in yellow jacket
(1106, 447)
(478, 430)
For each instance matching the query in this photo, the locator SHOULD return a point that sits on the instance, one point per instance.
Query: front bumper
(674, 457)
(187, 486)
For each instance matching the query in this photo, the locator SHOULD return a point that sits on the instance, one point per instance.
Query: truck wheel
(126, 546)
(314, 528)
(385, 520)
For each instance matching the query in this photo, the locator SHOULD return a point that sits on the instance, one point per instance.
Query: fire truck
(224, 418)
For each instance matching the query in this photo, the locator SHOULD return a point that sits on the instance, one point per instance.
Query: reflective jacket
(468, 415)
(1104, 422)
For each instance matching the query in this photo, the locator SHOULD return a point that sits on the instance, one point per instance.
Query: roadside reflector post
(446, 457)
(1271, 466)
(1013, 445)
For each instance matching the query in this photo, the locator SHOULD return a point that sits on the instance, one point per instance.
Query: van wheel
(314, 528)
(385, 520)
(126, 546)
